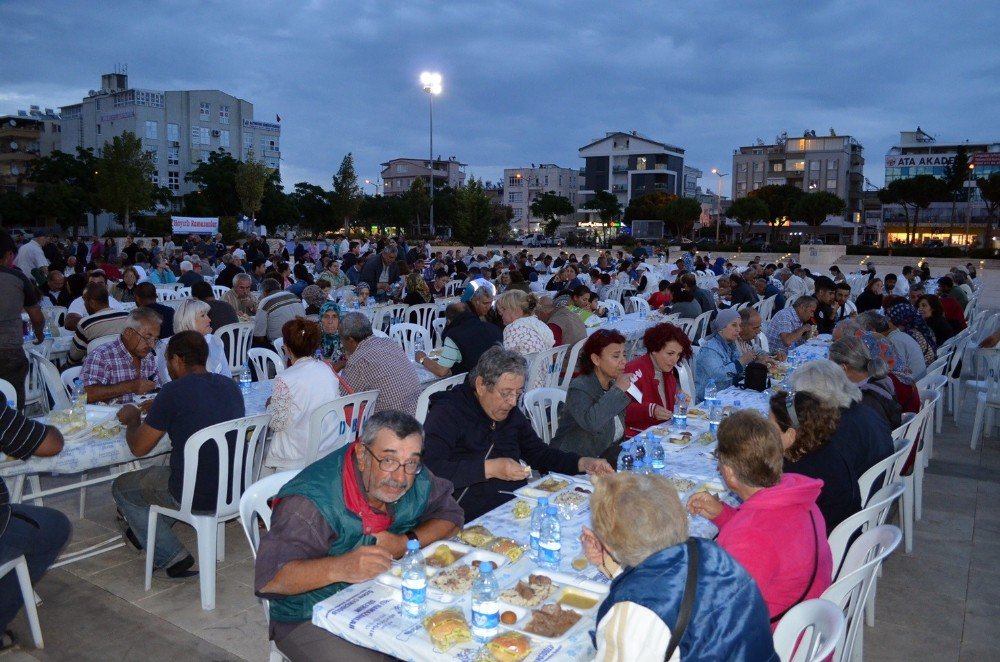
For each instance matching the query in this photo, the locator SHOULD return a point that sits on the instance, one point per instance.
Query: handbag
(755, 376)
(687, 601)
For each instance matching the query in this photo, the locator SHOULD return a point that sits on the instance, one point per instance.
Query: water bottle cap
(736, 403)
(543, 501)
(76, 381)
(412, 544)
(486, 568)
(552, 510)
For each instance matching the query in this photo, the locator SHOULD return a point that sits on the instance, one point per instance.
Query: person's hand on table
(129, 415)
(505, 468)
(366, 563)
(748, 356)
(780, 356)
(142, 386)
(662, 413)
(704, 504)
(394, 542)
(595, 466)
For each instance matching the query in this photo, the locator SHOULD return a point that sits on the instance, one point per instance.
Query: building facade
(398, 174)
(957, 222)
(179, 128)
(523, 185)
(24, 138)
(630, 165)
(833, 163)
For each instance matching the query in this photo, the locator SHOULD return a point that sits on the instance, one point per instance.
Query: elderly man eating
(791, 327)
(124, 367)
(341, 521)
(477, 437)
(241, 298)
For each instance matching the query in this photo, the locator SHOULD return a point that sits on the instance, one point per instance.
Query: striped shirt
(20, 437)
(107, 322)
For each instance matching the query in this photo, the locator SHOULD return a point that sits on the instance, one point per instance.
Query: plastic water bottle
(654, 448)
(12, 404)
(245, 378)
(414, 581)
(639, 450)
(681, 410)
(485, 603)
(642, 313)
(550, 540)
(737, 406)
(357, 305)
(626, 461)
(711, 393)
(714, 418)
(418, 344)
(79, 406)
(537, 515)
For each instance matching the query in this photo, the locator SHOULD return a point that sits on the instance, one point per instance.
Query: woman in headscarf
(329, 326)
(906, 317)
(417, 291)
(720, 358)
(314, 297)
(902, 379)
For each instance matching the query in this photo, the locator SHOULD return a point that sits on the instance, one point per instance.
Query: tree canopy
(347, 194)
(473, 214)
(549, 207)
(607, 207)
(989, 189)
(124, 181)
(251, 180)
(746, 211)
(813, 208)
(913, 194)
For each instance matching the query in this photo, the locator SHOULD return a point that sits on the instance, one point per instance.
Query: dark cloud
(530, 82)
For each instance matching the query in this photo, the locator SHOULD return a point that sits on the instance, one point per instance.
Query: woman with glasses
(778, 533)
(298, 391)
(592, 422)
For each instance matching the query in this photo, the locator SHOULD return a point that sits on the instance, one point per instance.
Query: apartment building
(523, 185)
(630, 165)
(398, 174)
(24, 138)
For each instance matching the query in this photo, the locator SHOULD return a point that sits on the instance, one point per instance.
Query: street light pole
(968, 207)
(432, 86)
(718, 203)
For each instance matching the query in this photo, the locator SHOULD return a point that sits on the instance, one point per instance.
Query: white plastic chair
(938, 383)
(183, 293)
(101, 340)
(542, 406)
(987, 401)
(163, 295)
(57, 314)
(867, 518)
(571, 364)
(451, 287)
(545, 367)
(254, 504)
(265, 363)
(888, 470)
(809, 631)
(685, 370)
(850, 592)
(278, 343)
(349, 412)
(236, 339)
(219, 290)
(446, 384)
(422, 314)
(210, 528)
(388, 316)
(68, 376)
(406, 334)
(688, 326)
(637, 304)
(701, 326)
(20, 566)
(613, 307)
(50, 380)
(437, 327)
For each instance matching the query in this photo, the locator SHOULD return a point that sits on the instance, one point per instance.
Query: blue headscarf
(330, 342)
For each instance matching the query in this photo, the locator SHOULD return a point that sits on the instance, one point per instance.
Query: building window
(98, 129)
(151, 129)
(814, 166)
(155, 154)
(223, 114)
(272, 163)
(247, 141)
(173, 156)
(640, 163)
(224, 138)
(519, 212)
(798, 166)
(402, 168)
(174, 180)
(757, 166)
(154, 178)
(173, 132)
(831, 184)
(831, 164)
(205, 111)
(515, 181)
(272, 145)
(195, 135)
(743, 167)
(204, 155)
(741, 187)
(517, 196)
(778, 167)
(206, 136)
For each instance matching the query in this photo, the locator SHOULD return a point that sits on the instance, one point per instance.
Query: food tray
(532, 493)
(566, 585)
(470, 554)
(97, 415)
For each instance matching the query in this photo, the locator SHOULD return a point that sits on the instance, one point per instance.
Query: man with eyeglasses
(341, 521)
(125, 367)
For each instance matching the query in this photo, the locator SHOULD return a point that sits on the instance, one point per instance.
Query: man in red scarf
(341, 521)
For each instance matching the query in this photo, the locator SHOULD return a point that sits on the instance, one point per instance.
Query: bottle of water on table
(626, 461)
(549, 540)
(485, 604)
(711, 393)
(245, 378)
(414, 581)
(639, 450)
(714, 418)
(418, 344)
(681, 410)
(78, 408)
(537, 515)
(654, 449)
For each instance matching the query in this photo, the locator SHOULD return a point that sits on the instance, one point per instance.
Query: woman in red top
(656, 376)
(660, 298)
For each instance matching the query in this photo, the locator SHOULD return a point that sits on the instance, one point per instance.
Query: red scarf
(372, 521)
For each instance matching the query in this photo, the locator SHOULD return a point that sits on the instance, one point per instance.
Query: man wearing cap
(31, 258)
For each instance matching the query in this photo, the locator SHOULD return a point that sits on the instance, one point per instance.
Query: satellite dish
(13, 146)
(13, 122)
(14, 170)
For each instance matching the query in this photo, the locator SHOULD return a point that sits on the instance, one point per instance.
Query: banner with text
(195, 224)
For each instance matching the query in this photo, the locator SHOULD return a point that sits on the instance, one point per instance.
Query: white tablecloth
(632, 325)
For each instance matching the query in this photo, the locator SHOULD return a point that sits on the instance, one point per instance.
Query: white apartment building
(398, 174)
(523, 185)
(180, 128)
(630, 165)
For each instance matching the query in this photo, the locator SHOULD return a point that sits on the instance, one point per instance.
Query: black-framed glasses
(390, 464)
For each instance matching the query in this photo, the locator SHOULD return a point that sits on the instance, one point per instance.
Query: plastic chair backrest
(424, 400)
(865, 519)
(278, 343)
(809, 631)
(877, 541)
(571, 364)
(219, 290)
(637, 304)
(451, 286)
(68, 376)
(542, 406)
(49, 381)
(701, 326)
(349, 412)
(850, 593)
(236, 339)
(545, 367)
(388, 316)
(266, 364)
(254, 504)
(437, 326)
(101, 340)
(164, 294)
(688, 326)
(422, 314)
(762, 339)
(57, 314)
(992, 376)
(406, 334)
(613, 307)
(9, 393)
(246, 455)
(875, 477)
(929, 383)
(685, 370)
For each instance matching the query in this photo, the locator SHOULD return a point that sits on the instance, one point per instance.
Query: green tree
(780, 200)
(66, 186)
(813, 208)
(252, 178)
(347, 194)
(502, 215)
(420, 202)
(955, 176)
(313, 205)
(681, 215)
(989, 189)
(550, 207)
(276, 208)
(746, 211)
(473, 214)
(607, 207)
(913, 194)
(124, 177)
(216, 180)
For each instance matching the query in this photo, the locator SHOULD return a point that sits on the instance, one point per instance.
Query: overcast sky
(530, 82)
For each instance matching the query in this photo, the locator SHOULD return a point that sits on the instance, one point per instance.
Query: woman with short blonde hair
(192, 315)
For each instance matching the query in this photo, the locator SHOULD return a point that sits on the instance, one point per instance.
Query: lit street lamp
(375, 184)
(432, 86)
(718, 203)
(968, 208)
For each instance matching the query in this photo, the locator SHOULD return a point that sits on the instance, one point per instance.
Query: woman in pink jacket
(778, 535)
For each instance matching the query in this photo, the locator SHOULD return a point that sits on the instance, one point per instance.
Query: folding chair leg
(977, 425)
(36, 487)
(220, 541)
(83, 497)
(207, 543)
(906, 515)
(28, 595)
(918, 486)
(870, 603)
(150, 544)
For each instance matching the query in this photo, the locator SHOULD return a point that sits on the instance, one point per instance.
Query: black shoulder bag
(687, 602)
(755, 376)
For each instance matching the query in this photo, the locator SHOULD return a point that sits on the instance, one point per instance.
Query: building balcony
(19, 132)
(619, 170)
(582, 172)
(619, 188)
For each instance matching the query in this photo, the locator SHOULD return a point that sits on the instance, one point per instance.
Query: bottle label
(533, 540)
(486, 616)
(415, 592)
(549, 552)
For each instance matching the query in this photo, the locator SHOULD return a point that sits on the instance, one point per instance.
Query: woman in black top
(929, 307)
(871, 298)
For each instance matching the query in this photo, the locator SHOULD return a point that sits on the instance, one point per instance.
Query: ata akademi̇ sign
(194, 224)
